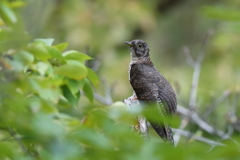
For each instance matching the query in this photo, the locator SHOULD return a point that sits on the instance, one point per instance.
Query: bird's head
(139, 49)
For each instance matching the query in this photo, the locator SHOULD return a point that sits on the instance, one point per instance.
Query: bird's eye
(139, 46)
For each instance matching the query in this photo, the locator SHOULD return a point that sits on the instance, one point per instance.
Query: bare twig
(202, 139)
(230, 132)
(232, 118)
(216, 103)
(188, 56)
(196, 73)
(183, 124)
(102, 99)
(201, 123)
(108, 92)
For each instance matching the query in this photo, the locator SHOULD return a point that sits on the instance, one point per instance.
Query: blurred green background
(174, 29)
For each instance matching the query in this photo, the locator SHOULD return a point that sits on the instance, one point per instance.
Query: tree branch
(201, 139)
(196, 73)
(216, 103)
(201, 123)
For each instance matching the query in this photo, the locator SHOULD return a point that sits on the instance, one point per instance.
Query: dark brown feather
(151, 86)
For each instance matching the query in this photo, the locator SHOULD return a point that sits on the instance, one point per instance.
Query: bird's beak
(129, 43)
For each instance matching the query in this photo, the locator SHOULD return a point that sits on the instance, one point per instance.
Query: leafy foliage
(43, 117)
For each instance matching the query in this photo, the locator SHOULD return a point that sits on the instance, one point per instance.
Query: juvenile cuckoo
(151, 88)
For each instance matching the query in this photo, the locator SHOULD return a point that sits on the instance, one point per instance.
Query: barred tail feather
(164, 131)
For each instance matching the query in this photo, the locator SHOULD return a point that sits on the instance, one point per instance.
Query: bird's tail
(164, 131)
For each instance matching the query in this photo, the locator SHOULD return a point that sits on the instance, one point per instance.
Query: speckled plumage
(151, 87)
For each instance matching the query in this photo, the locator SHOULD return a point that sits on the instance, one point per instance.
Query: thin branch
(183, 124)
(232, 118)
(202, 139)
(188, 56)
(230, 132)
(102, 99)
(216, 103)
(196, 73)
(108, 92)
(197, 120)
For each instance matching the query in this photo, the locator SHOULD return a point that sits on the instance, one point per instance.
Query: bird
(152, 88)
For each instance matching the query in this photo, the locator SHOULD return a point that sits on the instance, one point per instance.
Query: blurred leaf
(92, 138)
(74, 69)
(39, 50)
(87, 89)
(17, 4)
(45, 88)
(45, 126)
(61, 46)
(75, 55)
(6, 149)
(42, 67)
(26, 57)
(72, 98)
(47, 41)
(222, 13)
(81, 83)
(93, 77)
(21, 60)
(69, 120)
(7, 14)
(55, 53)
(37, 104)
(73, 85)
(13, 39)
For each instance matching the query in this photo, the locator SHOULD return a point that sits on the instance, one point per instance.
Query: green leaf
(74, 69)
(21, 60)
(72, 98)
(39, 50)
(24, 57)
(93, 77)
(87, 89)
(55, 53)
(46, 89)
(69, 120)
(61, 46)
(36, 103)
(73, 86)
(75, 55)
(42, 67)
(7, 15)
(81, 83)
(45, 126)
(47, 41)
(17, 4)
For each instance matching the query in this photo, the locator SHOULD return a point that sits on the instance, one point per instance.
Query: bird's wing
(167, 97)
(150, 85)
